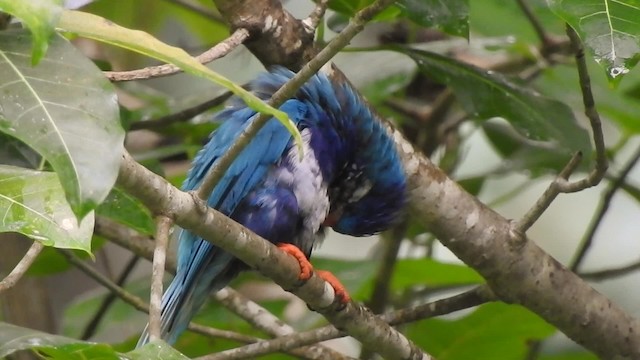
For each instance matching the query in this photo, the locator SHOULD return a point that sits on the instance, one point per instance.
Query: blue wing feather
(203, 267)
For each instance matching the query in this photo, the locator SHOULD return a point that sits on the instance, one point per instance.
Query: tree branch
(250, 311)
(163, 227)
(91, 327)
(471, 298)
(23, 265)
(219, 50)
(190, 212)
(600, 169)
(613, 187)
(182, 115)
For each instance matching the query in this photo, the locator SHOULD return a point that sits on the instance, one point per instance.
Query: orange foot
(306, 270)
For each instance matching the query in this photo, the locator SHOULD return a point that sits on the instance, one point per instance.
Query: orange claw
(306, 269)
(338, 288)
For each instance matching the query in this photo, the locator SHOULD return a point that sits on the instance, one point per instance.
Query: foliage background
(490, 160)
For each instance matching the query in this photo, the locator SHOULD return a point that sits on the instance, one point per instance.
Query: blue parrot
(350, 178)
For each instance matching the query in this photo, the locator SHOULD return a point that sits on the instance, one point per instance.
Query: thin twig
(312, 21)
(605, 202)
(265, 321)
(182, 115)
(140, 304)
(219, 50)
(548, 196)
(610, 273)
(544, 37)
(380, 294)
(163, 227)
(600, 169)
(91, 327)
(23, 265)
(561, 184)
(287, 90)
(129, 298)
(471, 298)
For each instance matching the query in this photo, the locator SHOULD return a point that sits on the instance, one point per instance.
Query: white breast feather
(310, 190)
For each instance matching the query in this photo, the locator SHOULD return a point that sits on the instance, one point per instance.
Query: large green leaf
(40, 16)
(428, 272)
(98, 28)
(67, 111)
(610, 29)
(156, 350)
(127, 210)
(14, 338)
(493, 331)
(485, 94)
(15, 152)
(33, 203)
(520, 153)
(81, 310)
(451, 16)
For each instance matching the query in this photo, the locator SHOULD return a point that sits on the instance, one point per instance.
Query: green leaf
(428, 272)
(609, 29)
(156, 350)
(492, 331)
(619, 105)
(33, 203)
(78, 351)
(451, 16)
(14, 338)
(127, 210)
(472, 185)
(520, 153)
(40, 16)
(379, 90)
(65, 110)
(15, 152)
(485, 94)
(98, 28)
(79, 312)
(356, 276)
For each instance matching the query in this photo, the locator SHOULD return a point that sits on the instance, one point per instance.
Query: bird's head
(368, 202)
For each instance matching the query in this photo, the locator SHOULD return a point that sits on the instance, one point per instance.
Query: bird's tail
(187, 293)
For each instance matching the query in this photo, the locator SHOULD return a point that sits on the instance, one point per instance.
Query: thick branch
(517, 269)
(250, 311)
(191, 213)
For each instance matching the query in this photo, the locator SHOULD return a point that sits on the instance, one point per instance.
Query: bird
(349, 178)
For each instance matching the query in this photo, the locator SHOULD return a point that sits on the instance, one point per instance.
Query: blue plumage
(350, 178)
